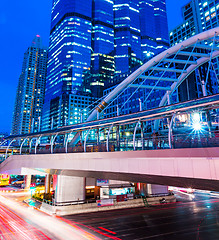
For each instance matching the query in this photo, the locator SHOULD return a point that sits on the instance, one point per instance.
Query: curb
(13, 190)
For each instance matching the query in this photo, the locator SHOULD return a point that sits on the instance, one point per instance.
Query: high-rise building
(90, 42)
(31, 89)
(69, 59)
(141, 32)
(154, 31)
(198, 16)
(102, 57)
(127, 35)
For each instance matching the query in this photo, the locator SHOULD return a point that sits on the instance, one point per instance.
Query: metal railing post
(142, 135)
(6, 153)
(22, 145)
(171, 130)
(107, 140)
(66, 143)
(134, 135)
(52, 142)
(37, 143)
(85, 139)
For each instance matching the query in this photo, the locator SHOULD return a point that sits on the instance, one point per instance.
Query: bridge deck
(194, 167)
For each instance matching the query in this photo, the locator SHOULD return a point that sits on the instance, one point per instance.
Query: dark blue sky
(20, 21)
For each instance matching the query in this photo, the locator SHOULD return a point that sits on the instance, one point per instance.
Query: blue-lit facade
(30, 91)
(102, 57)
(127, 35)
(154, 32)
(198, 16)
(93, 41)
(68, 60)
(141, 32)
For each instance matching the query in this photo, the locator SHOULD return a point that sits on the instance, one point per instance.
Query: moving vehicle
(180, 189)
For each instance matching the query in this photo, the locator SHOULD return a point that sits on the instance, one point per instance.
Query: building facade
(141, 32)
(68, 59)
(198, 16)
(30, 91)
(93, 41)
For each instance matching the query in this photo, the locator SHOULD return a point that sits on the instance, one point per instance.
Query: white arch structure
(177, 50)
(190, 54)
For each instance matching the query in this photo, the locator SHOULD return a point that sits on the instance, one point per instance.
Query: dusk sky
(20, 21)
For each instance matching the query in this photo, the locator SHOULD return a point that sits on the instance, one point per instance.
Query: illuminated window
(207, 18)
(207, 13)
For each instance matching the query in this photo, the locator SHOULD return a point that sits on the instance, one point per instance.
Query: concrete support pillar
(48, 179)
(27, 181)
(69, 189)
(54, 182)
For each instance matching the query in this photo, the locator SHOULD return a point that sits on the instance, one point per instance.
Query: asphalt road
(192, 218)
(18, 221)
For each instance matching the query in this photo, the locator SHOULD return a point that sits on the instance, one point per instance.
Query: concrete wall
(92, 207)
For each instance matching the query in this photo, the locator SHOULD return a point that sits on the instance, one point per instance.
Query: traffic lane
(21, 196)
(172, 221)
(13, 226)
(197, 195)
(51, 226)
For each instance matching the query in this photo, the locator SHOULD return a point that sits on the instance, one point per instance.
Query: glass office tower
(198, 16)
(102, 58)
(140, 32)
(92, 41)
(127, 35)
(154, 31)
(30, 91)
(68, 60)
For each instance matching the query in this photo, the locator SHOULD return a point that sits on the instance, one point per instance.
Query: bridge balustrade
(179, 140)
(191, 127)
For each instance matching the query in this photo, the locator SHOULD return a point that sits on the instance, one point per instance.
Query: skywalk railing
(188, 124)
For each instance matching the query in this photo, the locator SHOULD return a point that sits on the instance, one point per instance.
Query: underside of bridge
(195, 168)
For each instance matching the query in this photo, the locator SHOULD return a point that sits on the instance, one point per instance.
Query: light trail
(21, 222)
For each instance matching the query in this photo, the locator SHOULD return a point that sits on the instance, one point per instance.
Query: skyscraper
(127, 35)
(198, 16)
(90, 42)
(141, 32)
(102, 57)
(154, 30)
(30, 91)
(69, 59)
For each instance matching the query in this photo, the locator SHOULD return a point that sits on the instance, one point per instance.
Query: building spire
(37, 42)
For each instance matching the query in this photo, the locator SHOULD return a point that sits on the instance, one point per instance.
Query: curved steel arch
(164, 57)
(190, 70)
(157, 59)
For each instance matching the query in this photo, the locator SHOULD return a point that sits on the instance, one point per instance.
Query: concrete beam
(195, 167)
